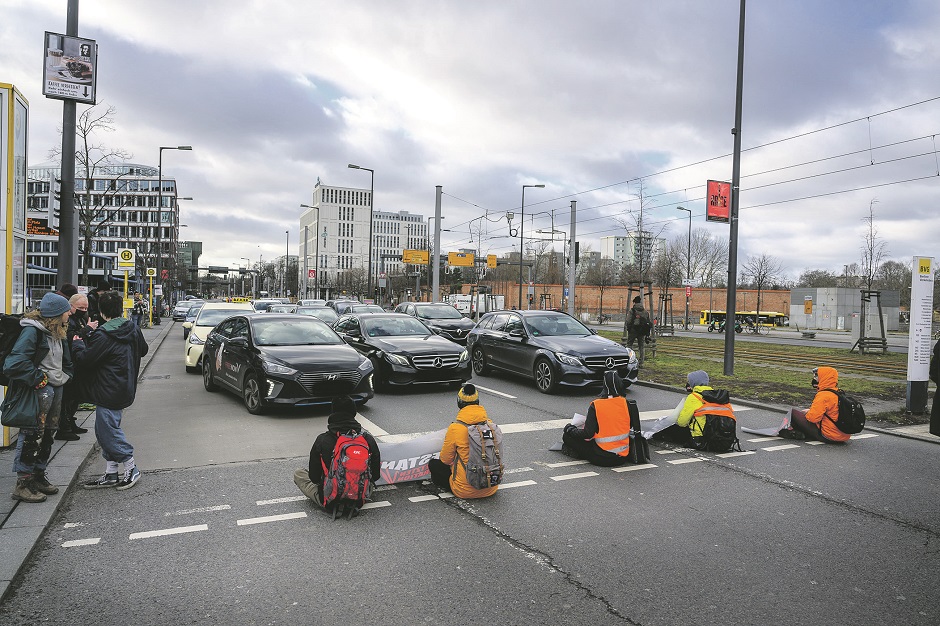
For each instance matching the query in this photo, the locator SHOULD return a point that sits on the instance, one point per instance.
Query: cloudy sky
(594, 99)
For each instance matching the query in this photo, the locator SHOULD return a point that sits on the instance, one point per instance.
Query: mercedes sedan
(440, 317)
(404, 351)
(550, 348)
(276, 359)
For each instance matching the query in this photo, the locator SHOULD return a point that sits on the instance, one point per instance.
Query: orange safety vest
(709, 408)
(613, 425)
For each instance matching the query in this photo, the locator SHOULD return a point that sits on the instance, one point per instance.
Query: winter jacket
(636, 320)
(457, 443)
(22, 365)
(110, 359)
(693, 402)
(321, 453)
(825, 408)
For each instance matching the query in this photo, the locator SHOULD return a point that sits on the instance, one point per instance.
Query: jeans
(34, 445)
(114, 445)
(307, 486)
(136, 318)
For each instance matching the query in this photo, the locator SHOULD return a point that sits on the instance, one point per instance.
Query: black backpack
(719, 433)
(9, 332)
(639, 446)
(851, 418)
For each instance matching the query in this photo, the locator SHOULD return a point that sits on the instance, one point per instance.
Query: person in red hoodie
(819, 421)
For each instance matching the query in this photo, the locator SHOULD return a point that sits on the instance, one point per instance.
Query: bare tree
(669, 266)
(603, 276)
(763, 270)
(874, 250)
(638, 227)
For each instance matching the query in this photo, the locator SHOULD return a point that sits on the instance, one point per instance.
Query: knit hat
(697, 378)
(343, 406)
(68, 290)
(468, 394)
(637, 300)
(613, 384)
(103, 286)
(53, 305)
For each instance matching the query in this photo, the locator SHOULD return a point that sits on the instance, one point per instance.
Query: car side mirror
(187, 325)
(239, 342)
(593, 331)
(517, 332)
(354, 332)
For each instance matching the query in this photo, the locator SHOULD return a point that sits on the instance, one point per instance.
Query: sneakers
(26, 492)
(108, 480)
(129, 479)
(42, 485)
(791, 433)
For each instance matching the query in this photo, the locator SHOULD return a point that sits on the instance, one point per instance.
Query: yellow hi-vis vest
(613, 425)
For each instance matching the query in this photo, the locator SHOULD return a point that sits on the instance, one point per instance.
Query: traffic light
(577, 253)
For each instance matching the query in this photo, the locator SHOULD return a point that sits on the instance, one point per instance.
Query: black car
(404, 351)
(551, 348)
(276, 359)
(440, 317)
(325, 313)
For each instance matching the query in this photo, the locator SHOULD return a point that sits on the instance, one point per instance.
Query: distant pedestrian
(38, 367)
(139, 311)
(110, 356)
(638, 327)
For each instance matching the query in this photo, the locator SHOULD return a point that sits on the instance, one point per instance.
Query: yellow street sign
(151, 271)
(414, 257)
(127, 258)
(460, 259)
(491, 261)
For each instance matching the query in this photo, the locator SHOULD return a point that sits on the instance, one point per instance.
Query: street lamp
(521, 240)
(688, 264)
(371, 192)
(156, 320)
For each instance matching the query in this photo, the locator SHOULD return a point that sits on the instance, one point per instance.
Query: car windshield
(555, 325)
(325, 313)
(438, 312)
(393, 326)
(367, 308)
(282, 308)
(193, 310)
(211, 317)
(304, 331)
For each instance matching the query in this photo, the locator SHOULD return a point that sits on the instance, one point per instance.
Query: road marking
(385, 488)
(168, 531)
(787, 446)
(73, 524)
(371, 426)
(525, 427)
(498, 393)
(728, 455)
(665, 452)
(386, 438)
(270, 518)
(518, 483)
(517, 470)
(814, 443)
(683, 461)
(423, 498)
(205, 509)
(764, 439)
(280, 500)
(375, 505)
(80, 542)
(573, 476)
(633, 468)
(564, 464)
(863, 436)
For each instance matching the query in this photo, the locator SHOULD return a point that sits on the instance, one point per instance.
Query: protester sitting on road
(450, 471)
(38, 367)
(109, 360)
(819, 421)
(687, 426)
(604, 439)
(342, 421)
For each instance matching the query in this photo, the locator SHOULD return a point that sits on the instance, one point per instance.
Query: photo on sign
(69, 68)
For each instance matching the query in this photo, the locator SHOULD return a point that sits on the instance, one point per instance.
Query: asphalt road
(215, 533)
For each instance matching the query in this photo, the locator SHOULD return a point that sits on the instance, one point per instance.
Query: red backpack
(347, 484)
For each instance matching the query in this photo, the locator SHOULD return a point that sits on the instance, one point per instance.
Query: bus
(767, 318)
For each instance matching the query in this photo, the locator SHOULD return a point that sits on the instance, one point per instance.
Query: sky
(602, 101)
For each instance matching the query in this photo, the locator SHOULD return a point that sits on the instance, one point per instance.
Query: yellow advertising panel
(414, 257)
(460, 259)
(808, 305)
(491, 261)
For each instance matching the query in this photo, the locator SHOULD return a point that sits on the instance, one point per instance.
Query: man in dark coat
(110, 360)
(93, 297)
(639, 326)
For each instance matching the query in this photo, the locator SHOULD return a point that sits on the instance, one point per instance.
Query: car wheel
(251, 395)
(545, 378)
(378, 381)
(207, 381)
(480, 366)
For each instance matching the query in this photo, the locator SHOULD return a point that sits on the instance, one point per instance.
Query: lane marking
(80, 542)
(525, 427)
(498, 393)
(518, 483)
(633, 468)
(573, 476)
(168, 531)
(371, 426)
(426, 498)
(814, 443)
(73, 524)
(386, 438)
(565, 464)
(280, 500)
(696, 459)
(787, 446)
(648, 416)
(271, 518)
(385, 488)
(445, 495)
(375, 505)
(665, 452)
(517, 470)
(728, 455)
(205, 509)
(764, 439)
(863, 436)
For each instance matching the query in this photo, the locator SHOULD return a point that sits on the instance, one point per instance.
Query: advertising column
(919, 338)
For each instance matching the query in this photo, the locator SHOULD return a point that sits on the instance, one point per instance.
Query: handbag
(20, 407)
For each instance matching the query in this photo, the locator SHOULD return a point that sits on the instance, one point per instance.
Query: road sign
(151, 271)
(127, 258)
(491, 261)
(460, 259)
(311, 273)
(690, 282)
(414, 257)
(808, 305)
(688, 292)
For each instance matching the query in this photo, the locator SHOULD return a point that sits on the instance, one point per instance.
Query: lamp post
(521, 240)
(176, 236)
(244, 258)
(371, 192)
(160, 217)
(688, 264)
(316, 254)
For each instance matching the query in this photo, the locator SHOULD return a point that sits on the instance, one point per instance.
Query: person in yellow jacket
(604, 439)
(449, 472)
(685, 424)
(819, 421)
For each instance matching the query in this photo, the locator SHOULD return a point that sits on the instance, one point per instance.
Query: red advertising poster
(718, 201)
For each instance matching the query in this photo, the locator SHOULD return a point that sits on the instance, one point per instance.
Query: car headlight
(397, 358)
(276, 368)
(464, 356)
(195, 340)
(567, 359)
(365, 366)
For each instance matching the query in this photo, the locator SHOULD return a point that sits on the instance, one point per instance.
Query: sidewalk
(21, 524)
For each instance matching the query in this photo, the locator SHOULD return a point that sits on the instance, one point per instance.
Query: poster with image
(68, 68)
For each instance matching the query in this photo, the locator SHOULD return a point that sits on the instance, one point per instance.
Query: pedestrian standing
(137, 313)
(38, 367)
(93, 296)
(639, 326)
(78, 325)
(110, 356)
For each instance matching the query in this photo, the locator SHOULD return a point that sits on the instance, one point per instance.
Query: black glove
(570, 427)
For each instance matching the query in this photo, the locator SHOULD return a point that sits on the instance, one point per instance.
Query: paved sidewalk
(21, 524)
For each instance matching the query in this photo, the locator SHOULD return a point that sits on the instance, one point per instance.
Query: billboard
(414, 257)
(718, 201)
(460, 259)
(68, 68)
